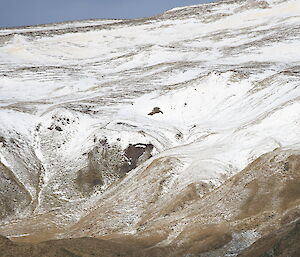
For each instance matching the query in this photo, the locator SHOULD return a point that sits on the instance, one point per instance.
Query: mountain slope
(124, 130)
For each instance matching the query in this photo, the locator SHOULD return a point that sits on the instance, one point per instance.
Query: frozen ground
(224, 77)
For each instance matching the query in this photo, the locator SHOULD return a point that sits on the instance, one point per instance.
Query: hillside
(174, 135)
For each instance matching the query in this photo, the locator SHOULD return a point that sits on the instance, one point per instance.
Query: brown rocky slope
(260, 203)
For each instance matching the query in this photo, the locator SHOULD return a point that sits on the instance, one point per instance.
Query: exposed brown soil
(264, 197)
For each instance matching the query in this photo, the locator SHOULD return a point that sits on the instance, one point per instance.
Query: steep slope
(124, 130)
(262, 201)
(283, 242)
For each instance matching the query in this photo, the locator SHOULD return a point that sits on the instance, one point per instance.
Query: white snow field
(225, 77)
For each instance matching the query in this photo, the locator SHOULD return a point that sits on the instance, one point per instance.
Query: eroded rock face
(135, 155)
(108, 163)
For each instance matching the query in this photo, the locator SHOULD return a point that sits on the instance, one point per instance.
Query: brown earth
(263, 198)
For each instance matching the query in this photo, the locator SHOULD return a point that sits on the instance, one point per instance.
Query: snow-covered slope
(202, 91)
